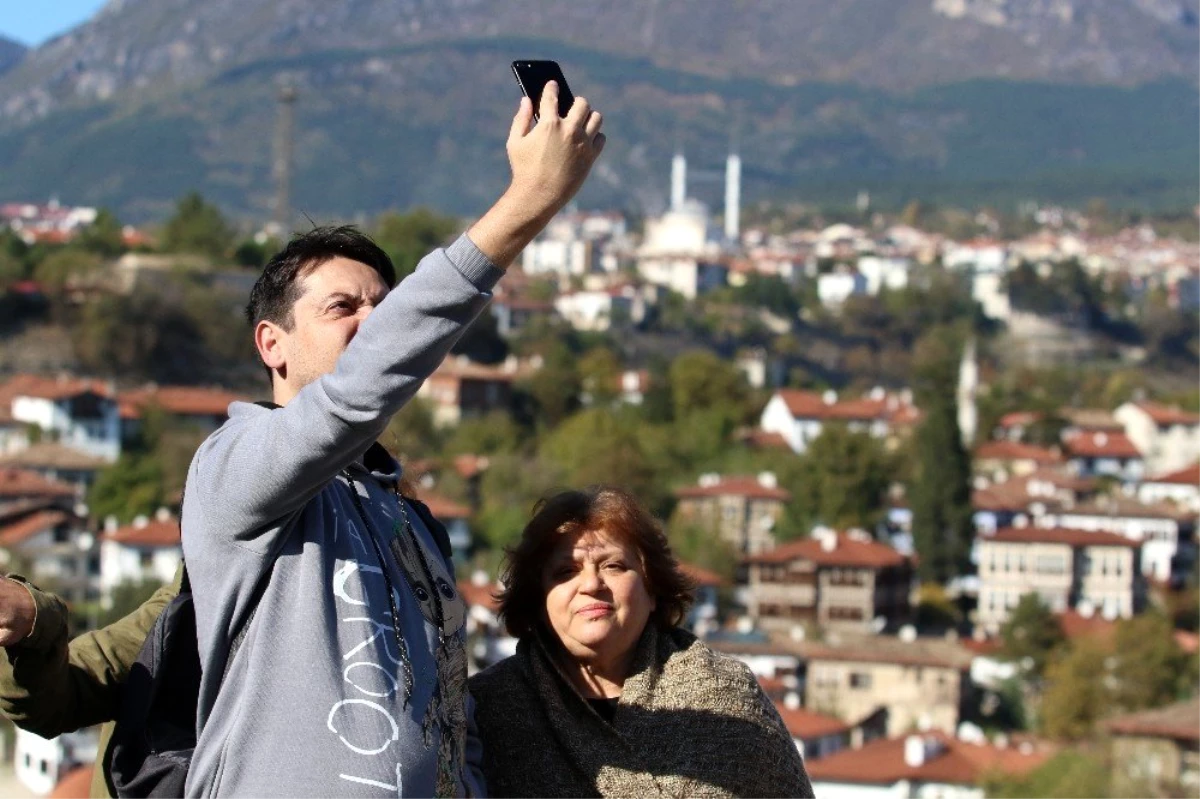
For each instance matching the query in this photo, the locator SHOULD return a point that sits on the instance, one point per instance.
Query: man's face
(335, 298)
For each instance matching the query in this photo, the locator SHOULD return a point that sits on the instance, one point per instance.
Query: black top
(607, 708)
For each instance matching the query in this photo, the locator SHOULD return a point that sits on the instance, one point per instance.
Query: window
(860, 680)
(146, 558)
(45, 766)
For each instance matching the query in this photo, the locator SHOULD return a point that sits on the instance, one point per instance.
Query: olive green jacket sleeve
(49, 686)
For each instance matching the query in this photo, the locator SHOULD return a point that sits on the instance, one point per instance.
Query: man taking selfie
(349, 674)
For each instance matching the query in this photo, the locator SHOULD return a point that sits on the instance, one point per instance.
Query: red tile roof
(443, 508)
(805, 724)
(154, 533)
(700, 576)
(1014, 451)
(1100, 445)
(1022, 418)
(1075, 625)
(1060, 535)
(14, 533)
(51, 388)
(848, 552)
(881, 762)
(734, 485)
(761, 439)
(1117, 507)
(1180, 722)
(178, 400)
(1166, 415)
(1189, 476)
(23, 483)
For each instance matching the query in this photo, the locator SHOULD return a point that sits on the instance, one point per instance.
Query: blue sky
(32, 22)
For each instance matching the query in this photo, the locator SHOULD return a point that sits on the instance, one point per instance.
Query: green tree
(409, 237)
(599, 446)
(133, 486)
(935, 610)
(411, 433)
(1150, 670)
(1077, 693)
(600, 375)
(554, 388)
(104, 237)
(495, 433)
(940, 494)
(127, 597)
(1032, 631)
(841, 481)
(702, 546)
(64, 264)
(700, 380)
(1070, 774)
(197, 227)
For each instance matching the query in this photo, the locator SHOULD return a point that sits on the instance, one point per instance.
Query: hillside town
(898, 670)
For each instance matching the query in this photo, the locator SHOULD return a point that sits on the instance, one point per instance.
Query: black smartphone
(532, 77)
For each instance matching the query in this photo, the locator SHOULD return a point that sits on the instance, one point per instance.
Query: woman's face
(596, 598)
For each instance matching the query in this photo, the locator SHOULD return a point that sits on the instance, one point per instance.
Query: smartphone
(532, 77)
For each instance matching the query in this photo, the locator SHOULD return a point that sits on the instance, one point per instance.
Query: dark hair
(278, 287)
(618, 513)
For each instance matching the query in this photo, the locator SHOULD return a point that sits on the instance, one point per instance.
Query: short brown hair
(618, 513)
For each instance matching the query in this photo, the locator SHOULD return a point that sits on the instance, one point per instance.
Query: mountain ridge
(156, 97)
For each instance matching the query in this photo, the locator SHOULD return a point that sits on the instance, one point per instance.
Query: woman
(606, 695)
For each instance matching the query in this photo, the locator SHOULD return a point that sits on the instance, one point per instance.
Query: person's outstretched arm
(50, 686)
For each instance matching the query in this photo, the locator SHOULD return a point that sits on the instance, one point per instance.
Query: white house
(1103, 454)
(1064, 567)
(55, 543)
(1181, 487)
(600, 310)
(1165, 533)
(920, 765)
(834, 288)
(39, 763)
(799, 416)
(884, 273)
(81, 414)
(550, 256)
(1168, 438)
(148, 549)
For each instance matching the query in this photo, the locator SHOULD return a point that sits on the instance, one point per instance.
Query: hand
(16, 612)
(550, 160)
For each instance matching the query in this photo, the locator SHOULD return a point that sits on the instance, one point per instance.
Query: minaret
(968, 385)
(733, 197)
(678, 181)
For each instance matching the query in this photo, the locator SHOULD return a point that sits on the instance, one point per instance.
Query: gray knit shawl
(690, 722)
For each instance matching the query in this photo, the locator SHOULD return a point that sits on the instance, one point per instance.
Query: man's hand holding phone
(549, 162)
(551, 159)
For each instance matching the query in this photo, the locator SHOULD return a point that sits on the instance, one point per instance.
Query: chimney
(111, 524)
(140, 522)
(162, 515)
(768, 480)
(678, 181)
(791, 700)
(914, 751)
(733, 196)
(829, 397)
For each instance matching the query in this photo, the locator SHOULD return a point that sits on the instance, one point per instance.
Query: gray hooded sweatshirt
(328, 695)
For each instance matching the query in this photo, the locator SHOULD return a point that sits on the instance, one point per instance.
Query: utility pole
(282, 167)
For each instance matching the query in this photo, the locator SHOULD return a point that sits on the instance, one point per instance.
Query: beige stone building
(1066, 568)
(742, 510)
(922, 683)
(831, 580)
(1157, 752)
